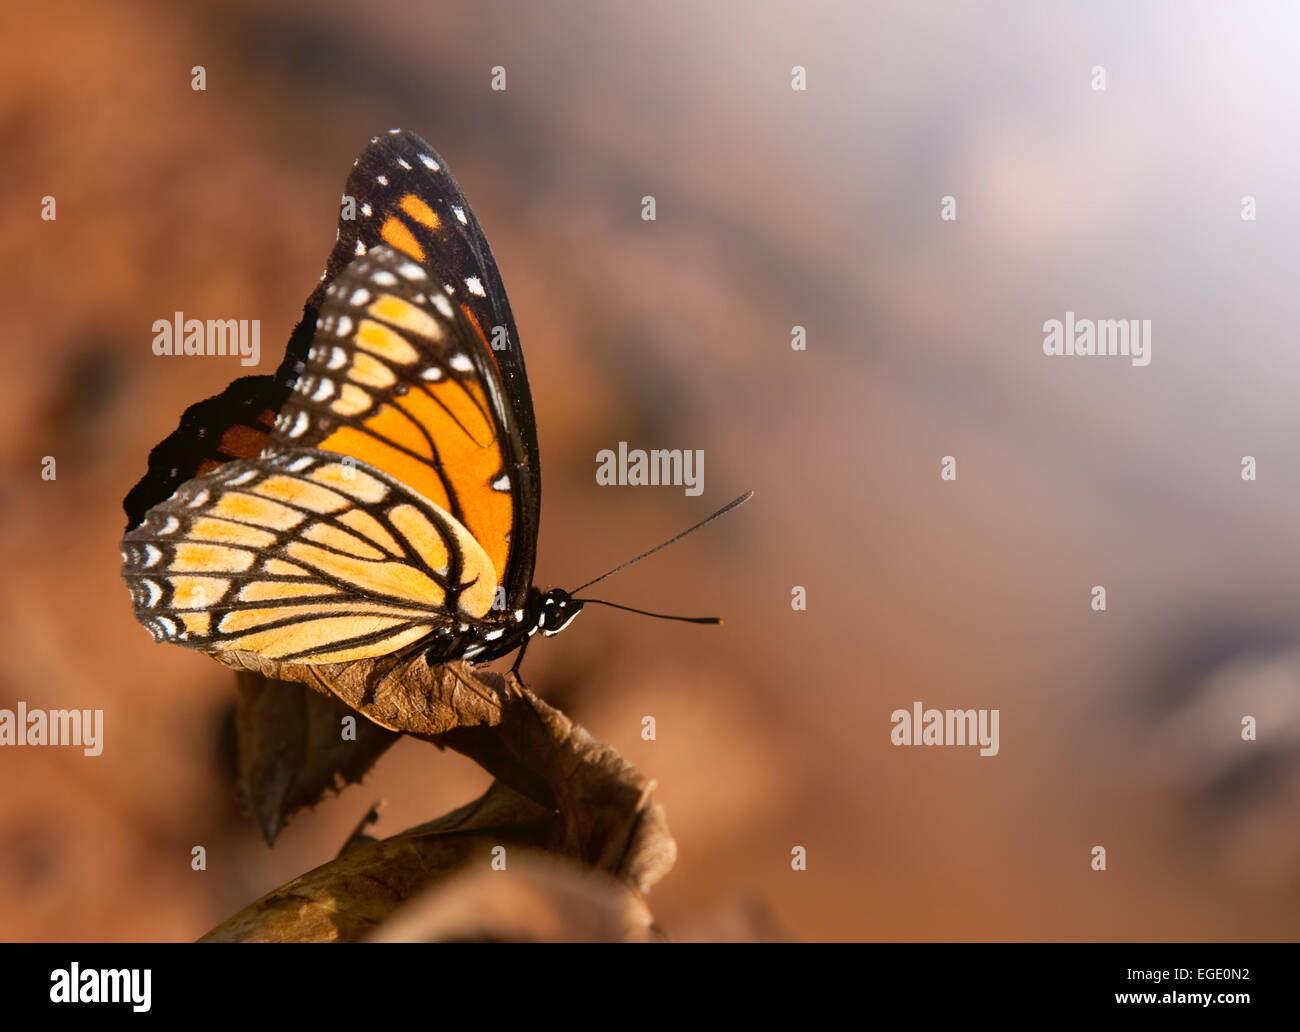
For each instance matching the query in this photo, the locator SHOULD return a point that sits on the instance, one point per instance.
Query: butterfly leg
(519, 659)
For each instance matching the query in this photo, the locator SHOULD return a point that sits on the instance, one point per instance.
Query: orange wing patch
(393, 425)
(471, 457)
(243, 442)
(437, 437)
(419, 210)
(399, 235)
(453, 415)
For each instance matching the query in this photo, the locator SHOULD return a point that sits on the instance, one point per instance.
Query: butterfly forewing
(401, 193)
(396, 379)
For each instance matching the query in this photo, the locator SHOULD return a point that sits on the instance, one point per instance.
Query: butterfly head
(555, 611)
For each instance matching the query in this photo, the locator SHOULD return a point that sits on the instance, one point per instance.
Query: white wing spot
(155, 592)
(359, 297)
(324, 390)
(441, 303)
(459, 212)
(366, 210)
(381, 180)
(428, 163)
(338, 359)
(171, 526)
(152, 554)
(431, 373)
(384, 278)
(299, 428)
(243, 478)
(404, 163)
(344, 327)
(475, 287)
(501, 483)
(360, 249)
(198, 499)
(461, 363)
(298, 465)
(411, 271)
(494, 635)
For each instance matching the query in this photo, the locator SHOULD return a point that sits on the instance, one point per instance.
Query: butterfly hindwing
(302, 557)
(234, 424)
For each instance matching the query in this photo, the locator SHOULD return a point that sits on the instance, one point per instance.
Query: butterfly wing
(233, 425)
(403, 195)
(399, 380)
(302, 557)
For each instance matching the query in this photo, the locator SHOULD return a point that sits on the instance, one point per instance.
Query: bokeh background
(775, 208)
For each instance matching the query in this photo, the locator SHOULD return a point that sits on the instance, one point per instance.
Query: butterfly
(382, 489)
(379, 495)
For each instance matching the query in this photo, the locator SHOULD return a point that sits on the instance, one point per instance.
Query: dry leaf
(607, 819)
(411, 696)
(557, 789)
(343, 900)
(291, 748)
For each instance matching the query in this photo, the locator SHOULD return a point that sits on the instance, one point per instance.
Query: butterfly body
(380, 494)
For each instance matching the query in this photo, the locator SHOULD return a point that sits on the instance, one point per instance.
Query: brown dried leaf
(344, 899)
(291, 750)
(607, 818)
(410, 696)
(557, 789)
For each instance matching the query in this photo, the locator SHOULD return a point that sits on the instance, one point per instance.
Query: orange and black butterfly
(379, 495)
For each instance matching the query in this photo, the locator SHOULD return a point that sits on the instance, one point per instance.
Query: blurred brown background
(775, 208)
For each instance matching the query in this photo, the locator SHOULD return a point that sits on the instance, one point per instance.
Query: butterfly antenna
(689, 530)
(646, 612)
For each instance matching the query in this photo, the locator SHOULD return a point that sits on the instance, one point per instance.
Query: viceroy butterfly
(379, 495)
